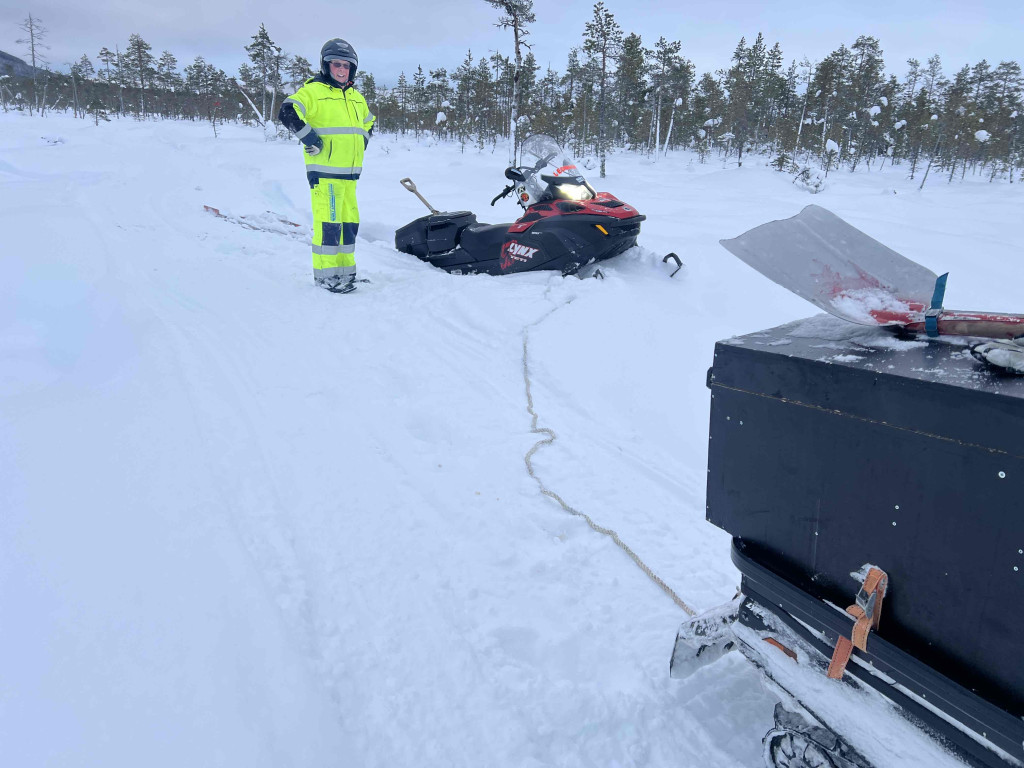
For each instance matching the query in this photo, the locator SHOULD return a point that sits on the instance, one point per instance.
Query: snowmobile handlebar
(503, 193)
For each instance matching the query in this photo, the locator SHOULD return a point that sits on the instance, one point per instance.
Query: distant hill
(12, 65)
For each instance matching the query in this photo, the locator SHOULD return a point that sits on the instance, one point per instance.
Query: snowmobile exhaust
(408, 184)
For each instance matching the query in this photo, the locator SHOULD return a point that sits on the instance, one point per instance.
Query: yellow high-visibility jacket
(337, 116)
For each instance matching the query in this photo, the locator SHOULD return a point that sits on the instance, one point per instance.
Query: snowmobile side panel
(830, 448)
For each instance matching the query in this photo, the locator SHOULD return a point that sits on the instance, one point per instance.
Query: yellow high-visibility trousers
(335, 224)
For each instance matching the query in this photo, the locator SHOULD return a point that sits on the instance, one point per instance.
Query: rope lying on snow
(548, 440)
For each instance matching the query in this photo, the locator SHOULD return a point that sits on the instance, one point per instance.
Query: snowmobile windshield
(551, 172)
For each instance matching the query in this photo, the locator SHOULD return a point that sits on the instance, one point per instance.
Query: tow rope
(549, 438)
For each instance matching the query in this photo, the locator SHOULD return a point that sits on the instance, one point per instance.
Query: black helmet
(337, 48)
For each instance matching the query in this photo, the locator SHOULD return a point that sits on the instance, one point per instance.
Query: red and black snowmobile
(566, 224)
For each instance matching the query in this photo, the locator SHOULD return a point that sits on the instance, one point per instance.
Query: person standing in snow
(334, 124)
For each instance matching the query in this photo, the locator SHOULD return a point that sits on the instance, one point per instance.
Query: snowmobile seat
(483, 241)
(434, 234)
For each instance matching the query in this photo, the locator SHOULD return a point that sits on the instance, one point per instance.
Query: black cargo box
(833, 445)
(433, 234)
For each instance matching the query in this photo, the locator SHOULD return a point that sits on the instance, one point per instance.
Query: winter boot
(337, 284)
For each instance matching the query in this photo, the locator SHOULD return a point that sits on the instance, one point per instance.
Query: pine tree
(367, 86)
(265, 74)
(418, 99)
(207, 87)
(603, 43)
(740, 117)
(955, 120)
(1007, 86)
(709, 105)
(84, 68)
(438, 94)
(631, 89)
(829, 103)
(919, 128)
(934, 83)
(866, 89)
(666, 59)
(518, 14)
(35, 46)
(463, 78)
(137, 68)
(402, 94)
(298, 70)
(483, 107)
(97, 109)
(167, 76)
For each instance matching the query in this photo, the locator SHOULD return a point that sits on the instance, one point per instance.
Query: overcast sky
(395, 35)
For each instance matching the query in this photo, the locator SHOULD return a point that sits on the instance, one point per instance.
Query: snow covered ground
(246, 522)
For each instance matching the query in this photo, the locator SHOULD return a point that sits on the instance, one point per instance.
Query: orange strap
(867, 611)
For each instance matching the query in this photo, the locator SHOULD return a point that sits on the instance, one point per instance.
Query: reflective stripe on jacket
(340, 117)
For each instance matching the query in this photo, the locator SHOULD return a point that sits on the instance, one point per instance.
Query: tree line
(615, 92)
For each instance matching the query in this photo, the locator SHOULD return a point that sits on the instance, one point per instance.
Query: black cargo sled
(566, 225)
(874, 489)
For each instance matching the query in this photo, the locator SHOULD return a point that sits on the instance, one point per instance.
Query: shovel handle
(990, 325)
(408, 184)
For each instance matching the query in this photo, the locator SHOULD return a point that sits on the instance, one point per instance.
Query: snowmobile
(566, 225)
(872, 487)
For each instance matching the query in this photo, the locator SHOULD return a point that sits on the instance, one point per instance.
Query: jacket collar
(321, 78)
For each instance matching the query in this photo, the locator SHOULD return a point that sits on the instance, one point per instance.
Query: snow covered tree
(298, 70)
(866, 84)
(418, 100)
(98, 110)
(550, 106)
(168, 81)
(402, 95)
(709, 104)
(829, 101)
(603, 43)
(1004, 116)
(740, 117)
(139, 68)
(516, 15)
(34, 46)
(208, 88)
(665, 60)
(366, 84)
(483, 105)
(631, 91)
(956, 122)
(83, 68)
(264, 75)
(439, 93)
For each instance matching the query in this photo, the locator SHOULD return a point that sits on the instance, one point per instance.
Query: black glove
(313, 143)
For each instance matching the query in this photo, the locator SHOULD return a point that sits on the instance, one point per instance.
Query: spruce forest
(616, 92)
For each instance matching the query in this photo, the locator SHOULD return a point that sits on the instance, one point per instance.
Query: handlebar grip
(502, 194)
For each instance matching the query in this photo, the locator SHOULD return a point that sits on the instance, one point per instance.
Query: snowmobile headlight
(573, 192)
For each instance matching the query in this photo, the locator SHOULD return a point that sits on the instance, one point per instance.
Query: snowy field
(246, 522)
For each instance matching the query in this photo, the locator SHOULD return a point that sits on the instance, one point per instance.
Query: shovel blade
(838, 268)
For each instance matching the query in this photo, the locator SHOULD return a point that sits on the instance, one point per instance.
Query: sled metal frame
(809, 618)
